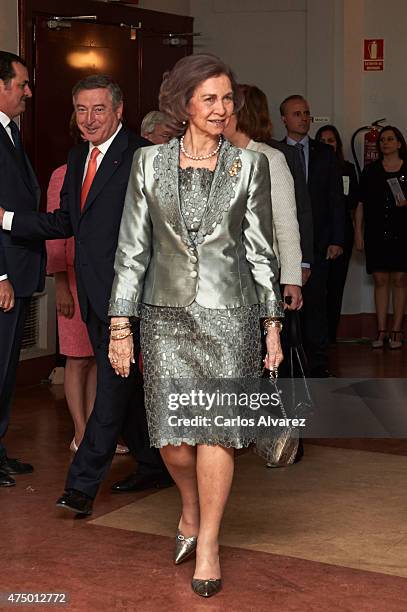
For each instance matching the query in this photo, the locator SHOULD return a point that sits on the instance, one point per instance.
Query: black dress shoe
(76, 501)
(141, 482)
(15, 466)
(6, 480)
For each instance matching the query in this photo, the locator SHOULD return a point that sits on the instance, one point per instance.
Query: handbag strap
(298, 357)
(295, 327)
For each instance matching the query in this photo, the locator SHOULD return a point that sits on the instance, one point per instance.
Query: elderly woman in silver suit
(195, 262)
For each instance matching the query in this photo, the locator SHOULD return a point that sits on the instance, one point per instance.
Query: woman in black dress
(338, 268)
(384, 237)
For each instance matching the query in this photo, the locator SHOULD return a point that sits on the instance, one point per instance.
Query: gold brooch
(235, 167)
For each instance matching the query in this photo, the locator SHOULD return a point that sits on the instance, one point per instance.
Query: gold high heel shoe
(184, 547)
(206, 588)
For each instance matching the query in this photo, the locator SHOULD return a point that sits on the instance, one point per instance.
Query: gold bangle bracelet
(121, 337)
(270, 319)
(275, 323)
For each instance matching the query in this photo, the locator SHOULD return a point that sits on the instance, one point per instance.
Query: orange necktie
(90, 175)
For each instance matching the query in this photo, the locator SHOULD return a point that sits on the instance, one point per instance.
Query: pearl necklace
(200, 157)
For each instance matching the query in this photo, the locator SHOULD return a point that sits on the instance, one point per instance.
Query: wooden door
(62, 57)
(156, 57)
(135, 56)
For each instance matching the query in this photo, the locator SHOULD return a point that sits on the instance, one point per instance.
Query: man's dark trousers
(119, 409)
(314, 316)
(11, 333)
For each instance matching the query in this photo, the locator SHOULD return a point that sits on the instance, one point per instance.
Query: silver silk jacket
(231, 263)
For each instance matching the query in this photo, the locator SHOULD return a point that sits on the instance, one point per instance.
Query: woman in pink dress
(74, 342)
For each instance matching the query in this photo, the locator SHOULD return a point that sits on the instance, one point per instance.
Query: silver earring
(184, 123)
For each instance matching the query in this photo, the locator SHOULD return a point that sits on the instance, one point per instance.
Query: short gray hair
(180, 83)
(297, 97)
(100, 81)
(152, 119)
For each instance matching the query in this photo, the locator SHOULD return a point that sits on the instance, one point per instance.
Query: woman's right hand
(359, 242)
(121, 355)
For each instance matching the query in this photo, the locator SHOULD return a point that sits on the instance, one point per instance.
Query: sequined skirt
(196, 344)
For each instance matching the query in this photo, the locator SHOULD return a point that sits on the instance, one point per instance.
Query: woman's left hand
(274, 353)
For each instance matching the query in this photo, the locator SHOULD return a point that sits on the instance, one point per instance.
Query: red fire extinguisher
(370, 151)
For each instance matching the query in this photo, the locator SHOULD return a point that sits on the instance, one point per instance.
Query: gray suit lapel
(166, 172)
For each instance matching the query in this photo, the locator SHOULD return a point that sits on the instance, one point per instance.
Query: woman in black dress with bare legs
(384, 236)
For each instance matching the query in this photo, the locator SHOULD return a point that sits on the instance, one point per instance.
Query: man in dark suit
(302, 200)
(290, 340)
(328, 212)
(92, 199)
(22, 262)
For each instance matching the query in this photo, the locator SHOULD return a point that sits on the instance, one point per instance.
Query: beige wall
(8, 26)
(386, 92)
(263, 40)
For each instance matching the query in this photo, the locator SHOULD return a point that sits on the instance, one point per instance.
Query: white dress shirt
(103, 150)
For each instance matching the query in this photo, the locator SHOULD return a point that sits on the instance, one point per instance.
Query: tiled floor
(352, 510)
(292, 538)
